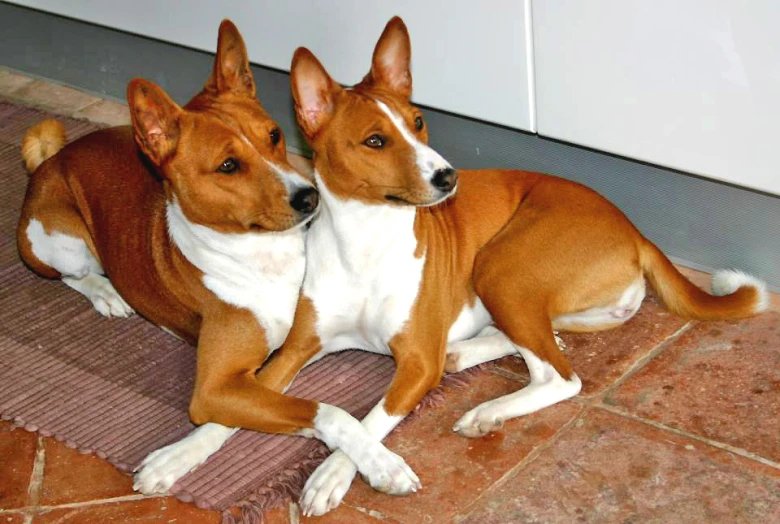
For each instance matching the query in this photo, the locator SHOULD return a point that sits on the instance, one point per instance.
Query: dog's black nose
(305, 200)
(445, 179)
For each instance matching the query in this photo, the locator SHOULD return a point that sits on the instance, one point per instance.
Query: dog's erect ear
(391, 66)
(313, 90)
(155, 119)
(231, 66)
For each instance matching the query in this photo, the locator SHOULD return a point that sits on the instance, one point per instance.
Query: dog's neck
(362, 231)
(261, 272)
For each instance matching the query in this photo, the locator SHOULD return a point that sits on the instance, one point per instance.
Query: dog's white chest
(260, 272)
(361, 273)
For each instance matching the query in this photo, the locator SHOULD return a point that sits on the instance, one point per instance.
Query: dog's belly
(470, 321)
(605, 317)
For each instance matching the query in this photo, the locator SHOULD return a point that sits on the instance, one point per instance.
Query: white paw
(479, 421)
(327, 486)
(162, 468)
(101, 293)
(108, 302)
(385, 471)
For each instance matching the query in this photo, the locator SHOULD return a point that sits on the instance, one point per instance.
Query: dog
(444, 270)
(194, 218)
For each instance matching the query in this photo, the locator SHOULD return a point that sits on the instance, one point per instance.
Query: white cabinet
(688, 84)
(469, 57)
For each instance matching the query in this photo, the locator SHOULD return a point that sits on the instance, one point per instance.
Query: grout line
(528, 459)
(94, 102)
(124, 498)
(642, 362)
(79, 109)
(682, 433)
(35, 487)
(96, 502)
(372, 513)
(295, 514)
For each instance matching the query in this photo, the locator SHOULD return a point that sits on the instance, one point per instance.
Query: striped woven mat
(119, 388)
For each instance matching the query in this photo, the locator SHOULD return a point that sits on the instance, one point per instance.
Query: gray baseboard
(699, 222)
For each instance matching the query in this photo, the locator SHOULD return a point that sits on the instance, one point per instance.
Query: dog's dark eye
(229, 166)
(375, 141)
(276, 135)
(418, 123)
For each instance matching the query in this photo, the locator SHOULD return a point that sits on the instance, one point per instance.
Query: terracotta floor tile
(55, 98)
(345, 514)
(71, 477)
(601, 358)
(106, 112)
(145, 510)
(720, 380)
(10, 82)
(612, 469)
(274, 516)
(17, 456)
(11, 518)
(454, 470)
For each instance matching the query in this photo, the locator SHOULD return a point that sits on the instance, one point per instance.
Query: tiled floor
(678, 422)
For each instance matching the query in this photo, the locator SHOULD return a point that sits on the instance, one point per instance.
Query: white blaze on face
(292, 180)
(428, 160)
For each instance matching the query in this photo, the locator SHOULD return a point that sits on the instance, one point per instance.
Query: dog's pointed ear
(155, 119)
(231, 65)
(391, 66)
(313, 91)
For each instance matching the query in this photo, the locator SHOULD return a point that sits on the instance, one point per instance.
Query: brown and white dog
(398, 263)
(203, 235)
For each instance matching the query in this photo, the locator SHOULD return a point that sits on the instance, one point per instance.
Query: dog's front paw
(328, 484)
(479, 421)
(385, 471)
(162, 468)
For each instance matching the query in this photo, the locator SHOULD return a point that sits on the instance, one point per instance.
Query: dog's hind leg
(55, 242)
(520, 313)
(547, 387)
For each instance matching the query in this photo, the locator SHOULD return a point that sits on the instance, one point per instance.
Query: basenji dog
(194, 218)
(444, 270)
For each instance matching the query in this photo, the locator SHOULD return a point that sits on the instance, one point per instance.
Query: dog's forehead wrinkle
(233, 123)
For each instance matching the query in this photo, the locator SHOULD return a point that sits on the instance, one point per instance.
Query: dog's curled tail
(41, 142)
(734, 294)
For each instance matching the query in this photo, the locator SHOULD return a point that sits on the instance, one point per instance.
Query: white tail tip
(727, 281)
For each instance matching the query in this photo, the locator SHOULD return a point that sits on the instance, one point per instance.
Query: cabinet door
(469, 57)
(688, 84)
